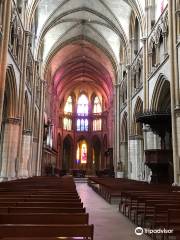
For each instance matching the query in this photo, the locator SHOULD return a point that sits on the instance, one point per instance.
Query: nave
(109, 223)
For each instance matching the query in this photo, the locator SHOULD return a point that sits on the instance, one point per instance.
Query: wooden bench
(44, 218)
(41, 210)
(39, 230)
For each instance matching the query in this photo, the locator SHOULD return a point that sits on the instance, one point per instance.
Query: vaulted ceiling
(80, 40)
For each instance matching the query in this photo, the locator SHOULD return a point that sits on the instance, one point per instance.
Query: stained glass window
(97, 105)
(67, 121)
(67, 124)
(68, 105)
(97, 108)
(81, 153)
(82, 106)
(82, 110)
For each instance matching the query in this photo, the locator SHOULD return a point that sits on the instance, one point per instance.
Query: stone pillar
(41, 128)
(34, 157)
(136, 155)
(22, 96)
(129, 114)
(4, 51)
(124, 157)
(116, 155)
(24, 168)
(145, 73)
(32, 115)
(10, 149)
(175, 107)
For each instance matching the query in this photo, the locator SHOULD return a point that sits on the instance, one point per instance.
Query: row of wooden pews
(42, 208)
(150, 206)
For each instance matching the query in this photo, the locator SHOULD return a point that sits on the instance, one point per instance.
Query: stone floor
(109, 223)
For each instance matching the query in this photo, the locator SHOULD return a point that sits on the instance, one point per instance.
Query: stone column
(136, 153)
(129, 108)
(145, 73)
(117, 123)
(33, 162)
(41, 128)
(10, 149)
(21, 98)
(24, 168)
(124, 157)
(175, 109)
(4, 51)
(32, 115)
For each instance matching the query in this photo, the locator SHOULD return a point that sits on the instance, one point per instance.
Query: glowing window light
(84, 153)
(81, 152)
(68, 105)
(82, 106)
(97, 108)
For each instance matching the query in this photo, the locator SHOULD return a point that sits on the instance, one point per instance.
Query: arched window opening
(82, 106)
(68, 105)
(82, 110)
(136, 37)
(97, 108)
(81, 152)
(67, 122)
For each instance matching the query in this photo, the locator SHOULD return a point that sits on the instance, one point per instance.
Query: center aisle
(109, 224)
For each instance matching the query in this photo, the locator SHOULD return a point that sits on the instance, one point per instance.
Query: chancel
(89, 106)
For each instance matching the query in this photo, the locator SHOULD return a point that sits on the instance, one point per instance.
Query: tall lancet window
(67, 122)
(82, 112)
(97, 109)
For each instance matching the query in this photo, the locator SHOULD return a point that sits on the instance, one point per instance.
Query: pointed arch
(11, 92)
(161, 98)
(137, 127)
(124, 131)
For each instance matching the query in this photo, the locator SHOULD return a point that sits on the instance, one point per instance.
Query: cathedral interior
(90, 88)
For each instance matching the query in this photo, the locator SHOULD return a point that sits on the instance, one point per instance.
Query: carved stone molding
(135, 137)
(15, 121)
(27, 132)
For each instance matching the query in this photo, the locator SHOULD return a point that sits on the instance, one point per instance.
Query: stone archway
(9, 128)
(67, 158)
(123, 164)
(160, 158)
(96, 153)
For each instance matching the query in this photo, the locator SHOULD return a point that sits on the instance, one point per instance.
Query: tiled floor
(109, 223)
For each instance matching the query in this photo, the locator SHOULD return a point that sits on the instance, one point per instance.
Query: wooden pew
(44, 218)
(39, 230)
(41, 210)
(42, 204)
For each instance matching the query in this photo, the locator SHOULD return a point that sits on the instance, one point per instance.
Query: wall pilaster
(10, 149)
(4, 51)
